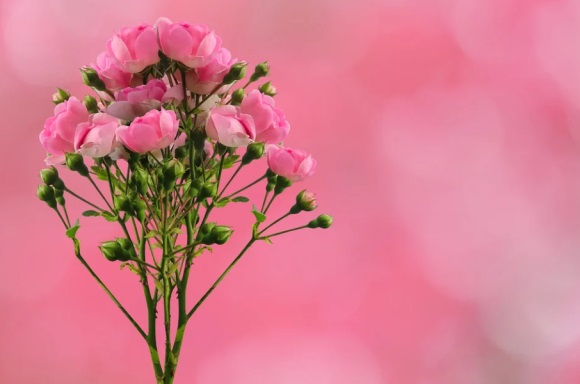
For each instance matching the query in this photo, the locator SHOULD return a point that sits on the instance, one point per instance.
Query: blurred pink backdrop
(447, 134)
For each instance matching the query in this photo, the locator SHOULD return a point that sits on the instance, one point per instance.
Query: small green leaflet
(90, 213)
(260, 217)
(240, 199)
(72, 231)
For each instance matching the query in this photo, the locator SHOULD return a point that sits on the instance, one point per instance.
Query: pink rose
(204, 79)
(111, 73)
(58, 134)
(230, 127)
(295, 165)
(134, 48)
(137, 101)
(96, 138)
(190, 44)
(156, 130)
(271, 124)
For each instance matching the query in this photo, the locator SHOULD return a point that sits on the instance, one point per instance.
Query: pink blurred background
(447, 134)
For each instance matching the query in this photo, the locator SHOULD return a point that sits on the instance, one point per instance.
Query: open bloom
(137, 101)
(228, 126)
(111, 73)
(134, 48)
(156, 130)
(58, 134)
(293, 164)
(271, 124)
(204, 79)
(96, 137)
(190, 44)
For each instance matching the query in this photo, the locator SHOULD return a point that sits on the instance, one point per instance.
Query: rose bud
(46, 193)
(75, 162)
(60, 96)
(268, 89)
(295, 165)
(254, 151)
(237, 72)
(92, 79)
(305, 201)
(260, 71)
(49, 175)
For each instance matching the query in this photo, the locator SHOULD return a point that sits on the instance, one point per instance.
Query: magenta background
(447, 134)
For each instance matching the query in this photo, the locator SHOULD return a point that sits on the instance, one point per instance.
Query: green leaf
(90, 213)
(72, 231)
(133, 269)
(151, 234)
(222, 202)
(159, 285)
(230, 161)
(240, 199)
(267, 240)
(109, 216)
(260, 217)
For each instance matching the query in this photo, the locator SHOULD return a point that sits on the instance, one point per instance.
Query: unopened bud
(128, 248)
(260, 71)
(208, 190)
(58, 185)
(92, 79)
(220, 234)
(140, 210)
(268, 89)
(140, 178)
(46, 193)
(237, 72)
(91, 104)
(172, 170)
(60, 96)
(237, 96)
(49, 175)
(254, 151)
(305, 201)
(59, 196)
(181, 152)
(75, 162)
(111, 250)
(281, 184)
(322, 221)
(123, 204)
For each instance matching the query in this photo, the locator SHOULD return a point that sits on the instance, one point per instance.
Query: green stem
(231, 179)
(275, 222)
(247, 186)
(99, 190)
(283, 232)
(220, 278)
(83, 199)
(109, 293)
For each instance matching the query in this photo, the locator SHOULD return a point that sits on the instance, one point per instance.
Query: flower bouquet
(160, 141)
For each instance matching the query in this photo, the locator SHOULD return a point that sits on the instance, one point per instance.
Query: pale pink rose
(293, 164)
(206, 78)
(190, 44)
(156, 130)
(137, 101)
(135, 48)
(271, 124)
(228, 126)
(58, 134)
(111, 73)
(96, 137)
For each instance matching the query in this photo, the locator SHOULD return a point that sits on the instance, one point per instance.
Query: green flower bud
(206, 228)
(140, 210)
(281, 184)
(220, 234)
(91, 104)
(49, 175)
(75, 162)
(322, 221)
(181, 152)
(112, 250)
(172, 170)
(128, 249)
(123, 204)
(58, 185)
(60, 96)
(305, 201)
(237, 96)
(268, 89)
(92, 79)
(208, 190)
(140, 179)
(254, 151)
(260, 71)
(195, 187)
(46, 193)
(237, 72)
(59, 196)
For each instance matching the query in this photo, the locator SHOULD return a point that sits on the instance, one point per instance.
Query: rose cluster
(153, 83)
